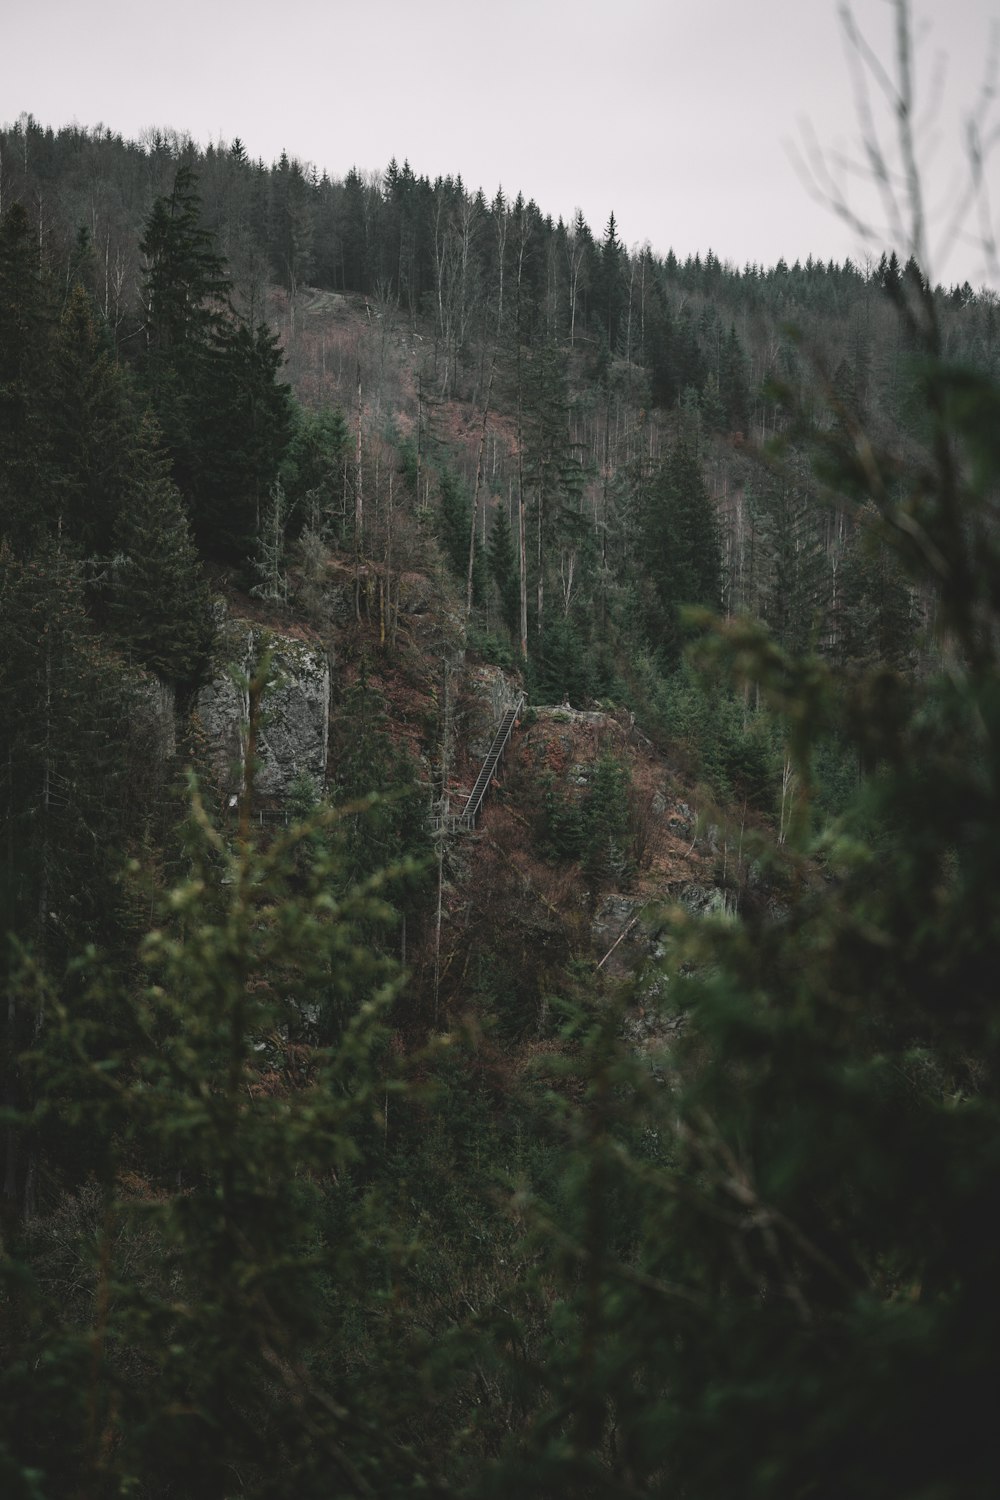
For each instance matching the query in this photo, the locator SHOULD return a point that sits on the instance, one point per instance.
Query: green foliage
(159, 606)
(312, 469)
(366, 760)
(186, 283)
(773, 1269)
(719, 740)
(503, 569)
(877, 613)
(791, 1222)
(25, 338)
(269, 564)
(203, 1355)
(681, 538)
(746, 1260)
(290, 225)
(225, 416)
(554, 474)
(494, 649)
(562, 826)
(240, 431)
(66, 716)
(93, 429)
(453, 523)
(593, 828)
(606, 823)
(794, 593)
(734, 383)
(560, 665)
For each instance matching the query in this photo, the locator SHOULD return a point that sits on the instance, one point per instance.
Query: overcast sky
(679, 115)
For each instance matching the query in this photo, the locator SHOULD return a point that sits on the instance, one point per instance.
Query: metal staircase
(466, 819)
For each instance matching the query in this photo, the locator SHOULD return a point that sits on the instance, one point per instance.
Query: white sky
(676, 114)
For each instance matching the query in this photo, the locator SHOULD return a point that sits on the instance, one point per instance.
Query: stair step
(467, 818)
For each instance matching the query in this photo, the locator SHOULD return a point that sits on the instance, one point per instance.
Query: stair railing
(466, 819)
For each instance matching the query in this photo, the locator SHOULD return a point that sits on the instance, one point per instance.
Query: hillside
(632, 1141)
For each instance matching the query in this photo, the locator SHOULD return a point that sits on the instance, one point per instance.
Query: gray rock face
(614, 914)
(221, 706)
(632, 951)
(493, 691)
(704, 901)
(293, 734)
(619, 934)
(582, 718)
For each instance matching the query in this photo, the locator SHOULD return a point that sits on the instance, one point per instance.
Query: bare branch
(894, 164)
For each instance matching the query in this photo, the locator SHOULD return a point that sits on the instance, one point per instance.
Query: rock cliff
(293, 735)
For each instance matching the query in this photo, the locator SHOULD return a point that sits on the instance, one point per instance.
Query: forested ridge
(640, 1141)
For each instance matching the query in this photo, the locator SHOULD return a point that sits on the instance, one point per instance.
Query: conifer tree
(356, 252)
(777, 1280)
(453, 511)
(681, 537)
(312, 469)
(876, 612)
(186, 286)
(552, 469)
(290, 236)
(26, 324)
(609, 291)
(733, 383)
(269, 564)
(796, 597)
(241, 431)
(159, 607)
(91, 416)
(186, 295)
(605, 823)
(503, 568)
(224, 414)
(240, 1265)
(64, 729)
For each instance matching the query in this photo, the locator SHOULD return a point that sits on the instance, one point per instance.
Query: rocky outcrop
(576, 730)
(292, 736)
(621, 940)
(578, 718)
(628, 932)
(491, 692)
(704, 901)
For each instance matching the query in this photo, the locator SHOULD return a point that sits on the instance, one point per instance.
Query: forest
(639, 1140)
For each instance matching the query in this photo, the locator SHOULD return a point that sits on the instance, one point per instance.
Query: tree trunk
(475, 496)
(358, 506)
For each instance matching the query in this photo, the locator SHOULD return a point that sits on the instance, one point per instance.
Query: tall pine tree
(683, 559)
(159, 609)
(26, 500)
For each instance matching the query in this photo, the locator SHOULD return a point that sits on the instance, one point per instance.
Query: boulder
(704, 901)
